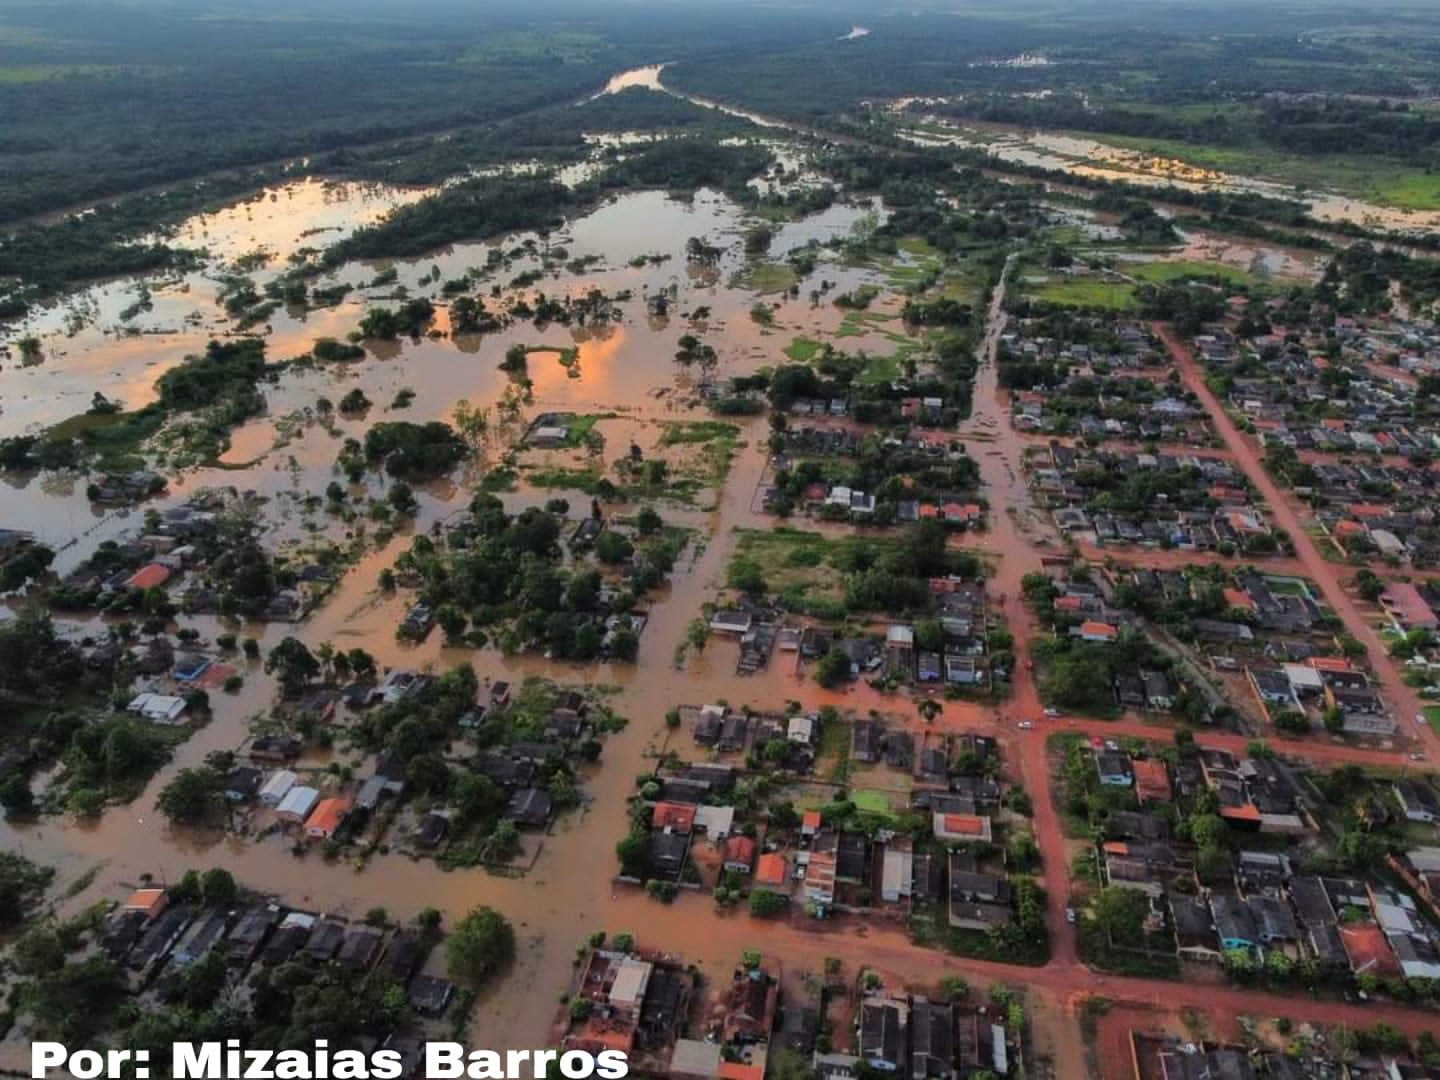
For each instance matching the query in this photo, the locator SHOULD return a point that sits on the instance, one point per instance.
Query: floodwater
(1081, 156)
(1077, 155)
(625, 367)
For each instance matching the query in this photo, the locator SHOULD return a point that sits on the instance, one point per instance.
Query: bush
(765, 904)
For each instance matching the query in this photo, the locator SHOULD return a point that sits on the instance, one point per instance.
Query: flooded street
(625, 369)
(621, 376)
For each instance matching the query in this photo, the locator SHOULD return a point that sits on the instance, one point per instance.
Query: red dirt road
(1404, 700)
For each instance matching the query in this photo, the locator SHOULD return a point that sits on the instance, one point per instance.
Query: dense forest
(490, 206)
(133, 95)
(1305, 126)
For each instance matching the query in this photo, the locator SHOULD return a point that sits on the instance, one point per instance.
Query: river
(1077, 155)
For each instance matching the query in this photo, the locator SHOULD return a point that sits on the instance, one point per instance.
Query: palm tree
(929, 709)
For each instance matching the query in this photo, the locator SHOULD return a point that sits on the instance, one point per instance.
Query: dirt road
(1402, 699)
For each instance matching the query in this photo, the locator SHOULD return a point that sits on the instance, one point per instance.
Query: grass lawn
(767, 277)
(881, 369)
(1160, 273)
(680, 432)
(805, 566)
(717, 442)
(581, 427)
(1390, 183)
(872, 802)
(572, 479)
(1086, 292)
(803, 349)
(1288, 586)
(1432, 713)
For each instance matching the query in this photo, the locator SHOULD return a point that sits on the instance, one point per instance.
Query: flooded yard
(117, 338)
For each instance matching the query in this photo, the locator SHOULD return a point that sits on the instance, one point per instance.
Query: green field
(1388, 183)
(800, 562)
(803, 349)
(767, 277)
(1161, 273)
(872, 802)
(1085, 292)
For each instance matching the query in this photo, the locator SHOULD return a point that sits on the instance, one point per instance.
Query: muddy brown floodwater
(627, 368)
(92, 342)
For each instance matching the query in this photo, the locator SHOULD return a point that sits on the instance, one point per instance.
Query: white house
(297, 804)
(158, 708)
(274, 790)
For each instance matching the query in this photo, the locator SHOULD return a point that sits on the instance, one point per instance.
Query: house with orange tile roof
(740, 854)
(673, 817)
(1245, 522)
(150, 576)
(1239, 600)
(1334, 664)
(1152, 779)
(738, 1070)
(1368, 951)
(820, 878)
(772, 870)
(150, 902)
(810, 823)
(1365, 511)
(327, 817)
(961, 828)
(1098, 631)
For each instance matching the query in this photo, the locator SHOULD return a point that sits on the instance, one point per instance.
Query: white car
(1420, 719)
(1070, 914)
(1052, 712)
(1025, 725)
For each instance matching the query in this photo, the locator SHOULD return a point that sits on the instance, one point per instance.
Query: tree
(362, 664)
(1369, 585)
(217, 887)
(624, 645)
(763, 903)
(612, 548)
(1208, 830)
(633, 851)
(1120, 912)
(746, 576)
(293, 665)
(16, 797)
(833, 669)
(503, 841)
(479, 945)
(22, 883)
(192, 797)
